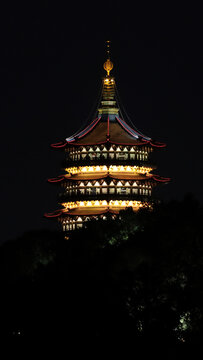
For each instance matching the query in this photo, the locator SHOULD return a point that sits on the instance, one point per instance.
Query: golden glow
(103, 203)
(86, 169)
(108, 81)
(110, 169)
(108, 66)
(125, 203)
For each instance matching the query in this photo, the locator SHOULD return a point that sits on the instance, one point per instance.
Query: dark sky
(51, 69)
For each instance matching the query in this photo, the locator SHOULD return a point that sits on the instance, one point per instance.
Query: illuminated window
(121, 156)
(123, 190)
(104, 190)
(134, 190)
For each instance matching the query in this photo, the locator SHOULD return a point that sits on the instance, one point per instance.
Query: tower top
(108, 65)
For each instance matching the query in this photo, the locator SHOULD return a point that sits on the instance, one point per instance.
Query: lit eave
(103, 204)
(110, 169)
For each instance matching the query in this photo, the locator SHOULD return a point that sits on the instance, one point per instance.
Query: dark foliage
(134, 280)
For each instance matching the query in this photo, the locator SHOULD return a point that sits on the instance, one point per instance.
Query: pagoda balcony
(106, 161)
(107, 197)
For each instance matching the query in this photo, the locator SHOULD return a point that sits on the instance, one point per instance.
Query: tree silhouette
(131, 280)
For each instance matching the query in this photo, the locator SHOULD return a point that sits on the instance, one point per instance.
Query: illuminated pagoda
(107, 165)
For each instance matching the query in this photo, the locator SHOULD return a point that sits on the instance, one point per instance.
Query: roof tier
(114, 132)
(109, 124)
(91, 211)
(117, 176)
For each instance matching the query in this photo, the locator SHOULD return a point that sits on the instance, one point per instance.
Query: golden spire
(108, 65)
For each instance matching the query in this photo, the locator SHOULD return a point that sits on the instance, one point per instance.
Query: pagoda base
(71, 223)
(75, 218)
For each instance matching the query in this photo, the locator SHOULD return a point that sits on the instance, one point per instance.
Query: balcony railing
(108, 197)
(106, 161)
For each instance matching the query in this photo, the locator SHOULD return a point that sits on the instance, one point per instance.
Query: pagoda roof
(109, 129)
(90, 211)
(119, 176)
(116, 130)
(82, 212)
(108, 126)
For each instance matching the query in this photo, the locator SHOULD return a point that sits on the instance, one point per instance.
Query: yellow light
(134, 169)
(101, 203)
(111, 169)
(69, 205)
(125, 203)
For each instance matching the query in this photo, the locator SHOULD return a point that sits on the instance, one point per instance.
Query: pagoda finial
(108, 65)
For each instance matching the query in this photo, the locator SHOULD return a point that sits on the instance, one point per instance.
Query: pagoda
(107, 165)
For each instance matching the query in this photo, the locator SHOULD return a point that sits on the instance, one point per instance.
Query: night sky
(51, 68)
